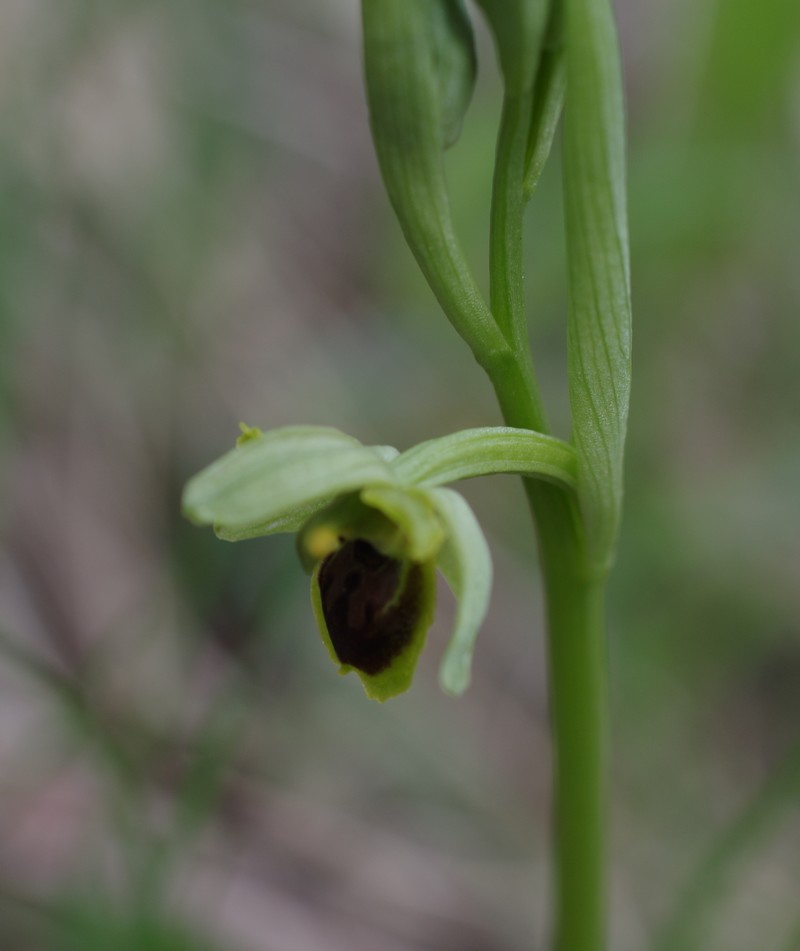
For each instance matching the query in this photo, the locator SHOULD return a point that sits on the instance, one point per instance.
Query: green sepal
(487, 451)
(518, 27)
(396, 678)
(466, 564)
(275, 481)
(287, 523)
(599, 323)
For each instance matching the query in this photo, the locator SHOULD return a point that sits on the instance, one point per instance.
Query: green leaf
(518, 27)
(599, 327)
(403, 55)
(274, 482)
(467, 565)
(487, 451)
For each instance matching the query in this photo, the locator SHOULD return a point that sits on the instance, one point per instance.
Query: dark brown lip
(371, 604)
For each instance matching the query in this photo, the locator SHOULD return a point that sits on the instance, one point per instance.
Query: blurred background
(193, 233)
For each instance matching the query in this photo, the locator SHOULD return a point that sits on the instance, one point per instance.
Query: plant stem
(574, 602)
(576, 643)
(507, 297)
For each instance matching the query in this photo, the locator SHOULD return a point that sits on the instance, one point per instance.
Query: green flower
(373, 525)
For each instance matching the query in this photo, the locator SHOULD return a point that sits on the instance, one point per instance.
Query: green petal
(415, 614)
(487, 451)
(272, 483)
(467, 565)
(412, 512)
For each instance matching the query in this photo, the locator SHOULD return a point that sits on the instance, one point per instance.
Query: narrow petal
(412, 512)
(467, 566)
(487, 451)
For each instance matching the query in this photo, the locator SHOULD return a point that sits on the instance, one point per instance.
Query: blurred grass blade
(486, 451)
(466, 563)
(793, 941)
(689, 926)
(599, 331)
(275, 482)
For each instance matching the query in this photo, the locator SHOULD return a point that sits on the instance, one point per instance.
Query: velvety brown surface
(358, 585)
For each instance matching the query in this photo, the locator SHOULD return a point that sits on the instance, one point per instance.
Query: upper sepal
(274, 482)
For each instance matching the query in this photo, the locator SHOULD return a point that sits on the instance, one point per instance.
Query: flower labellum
(370, 603)
(373, 611)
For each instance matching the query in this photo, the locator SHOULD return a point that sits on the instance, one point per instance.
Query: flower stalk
(373, 525)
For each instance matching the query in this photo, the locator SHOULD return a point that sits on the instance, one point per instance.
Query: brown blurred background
(193, 233)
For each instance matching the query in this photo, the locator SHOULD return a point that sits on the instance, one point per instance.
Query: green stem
(576, 636)
(507, 298)
(576, 642)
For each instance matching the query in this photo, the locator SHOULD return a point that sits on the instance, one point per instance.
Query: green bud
(518, 27)
(419, 68)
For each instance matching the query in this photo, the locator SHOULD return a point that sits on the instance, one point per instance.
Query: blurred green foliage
(192, 233)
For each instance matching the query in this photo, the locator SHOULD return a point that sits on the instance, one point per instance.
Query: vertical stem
(576, 642)
(507, 297)
(576, 636)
